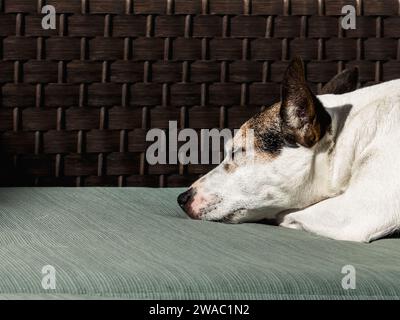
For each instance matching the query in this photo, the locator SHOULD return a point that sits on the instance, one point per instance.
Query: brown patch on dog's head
(299, 119)
(267, 131)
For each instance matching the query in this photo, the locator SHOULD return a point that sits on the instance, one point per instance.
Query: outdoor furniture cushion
(136, 243)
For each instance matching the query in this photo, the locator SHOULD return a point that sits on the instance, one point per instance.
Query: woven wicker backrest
(76, 102)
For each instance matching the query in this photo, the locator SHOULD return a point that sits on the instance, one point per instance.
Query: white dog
(328, 164)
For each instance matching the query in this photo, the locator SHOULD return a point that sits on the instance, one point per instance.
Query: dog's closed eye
(290, 143)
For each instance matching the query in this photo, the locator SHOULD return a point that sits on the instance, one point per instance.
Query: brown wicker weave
(76, 102)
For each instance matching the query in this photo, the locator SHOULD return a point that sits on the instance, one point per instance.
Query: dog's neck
(337, 152)
(334, 158)
(357, 120)
(335, 155)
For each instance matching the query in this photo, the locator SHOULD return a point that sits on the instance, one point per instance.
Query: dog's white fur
(346, 187)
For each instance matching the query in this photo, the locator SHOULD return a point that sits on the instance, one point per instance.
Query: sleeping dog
(325, 164)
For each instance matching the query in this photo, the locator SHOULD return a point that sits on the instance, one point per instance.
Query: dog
(325, 164)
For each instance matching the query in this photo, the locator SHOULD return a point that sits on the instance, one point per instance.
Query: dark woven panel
(76, 102)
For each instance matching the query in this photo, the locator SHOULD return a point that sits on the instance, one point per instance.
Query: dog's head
(270, 163)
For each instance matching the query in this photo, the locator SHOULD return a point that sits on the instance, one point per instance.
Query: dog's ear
(344, 82)
(304, 119)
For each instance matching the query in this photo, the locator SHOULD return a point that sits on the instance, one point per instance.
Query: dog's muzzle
(185, 200)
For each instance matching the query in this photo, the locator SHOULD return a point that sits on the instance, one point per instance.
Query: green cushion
(137, 243)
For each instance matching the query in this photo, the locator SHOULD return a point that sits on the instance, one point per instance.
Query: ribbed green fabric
(136, 243)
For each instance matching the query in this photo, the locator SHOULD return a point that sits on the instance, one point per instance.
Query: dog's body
(325, 164)
(360, 182)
